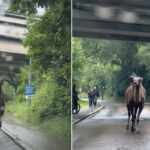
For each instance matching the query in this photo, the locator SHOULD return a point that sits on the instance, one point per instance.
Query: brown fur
(130, 94)
(134, 97)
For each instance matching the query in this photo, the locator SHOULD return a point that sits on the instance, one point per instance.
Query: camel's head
(136, 80)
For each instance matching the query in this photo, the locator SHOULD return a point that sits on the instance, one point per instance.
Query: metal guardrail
(14, 15)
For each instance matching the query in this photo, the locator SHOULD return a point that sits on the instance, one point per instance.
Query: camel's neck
(136, 90)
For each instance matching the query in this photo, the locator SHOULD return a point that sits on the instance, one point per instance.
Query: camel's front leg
(129, 115)
(141, 106)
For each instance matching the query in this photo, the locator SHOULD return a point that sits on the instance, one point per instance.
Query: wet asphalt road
(106, 131)
(6, 143)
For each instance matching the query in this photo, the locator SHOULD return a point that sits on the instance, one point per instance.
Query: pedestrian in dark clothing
(2, 104)
(96, 94)
(75, 97)
(91, 99)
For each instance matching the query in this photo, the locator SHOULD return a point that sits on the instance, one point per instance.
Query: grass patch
(18, 110)
(56, 126)
(83, 103)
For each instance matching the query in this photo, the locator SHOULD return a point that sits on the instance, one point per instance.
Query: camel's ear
(141, 79)
(131, 78)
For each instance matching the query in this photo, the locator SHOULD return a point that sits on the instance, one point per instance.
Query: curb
(15, 139)
(88, 115)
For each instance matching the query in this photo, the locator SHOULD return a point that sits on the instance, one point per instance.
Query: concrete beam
(98, 21)
(144, 4)
(95, 30)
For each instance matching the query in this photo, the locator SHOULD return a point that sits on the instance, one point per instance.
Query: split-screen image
(74, 75)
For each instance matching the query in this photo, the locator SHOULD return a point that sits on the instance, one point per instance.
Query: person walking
(75, 98)
(91, 99)
(2, 104)
(96, 94)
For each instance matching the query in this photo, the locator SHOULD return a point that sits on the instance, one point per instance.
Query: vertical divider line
(71, 72)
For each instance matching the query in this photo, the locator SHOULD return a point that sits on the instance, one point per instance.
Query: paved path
(30, 137)
(84, 112)
(106, 131)
(6, 143)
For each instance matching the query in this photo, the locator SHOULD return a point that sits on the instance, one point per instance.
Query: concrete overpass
(116, 19)
(12, 53)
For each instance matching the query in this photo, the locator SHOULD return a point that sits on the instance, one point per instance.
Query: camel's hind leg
(141, 106)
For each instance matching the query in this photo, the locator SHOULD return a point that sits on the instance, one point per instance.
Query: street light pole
(29, 75)
(29, 78)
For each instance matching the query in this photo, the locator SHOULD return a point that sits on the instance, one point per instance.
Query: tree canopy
(109, 63)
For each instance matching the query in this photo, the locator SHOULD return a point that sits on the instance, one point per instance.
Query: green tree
(110, 61)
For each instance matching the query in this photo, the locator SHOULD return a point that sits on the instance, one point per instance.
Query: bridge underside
(10, 66)
(112, 19)
(12, 53)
